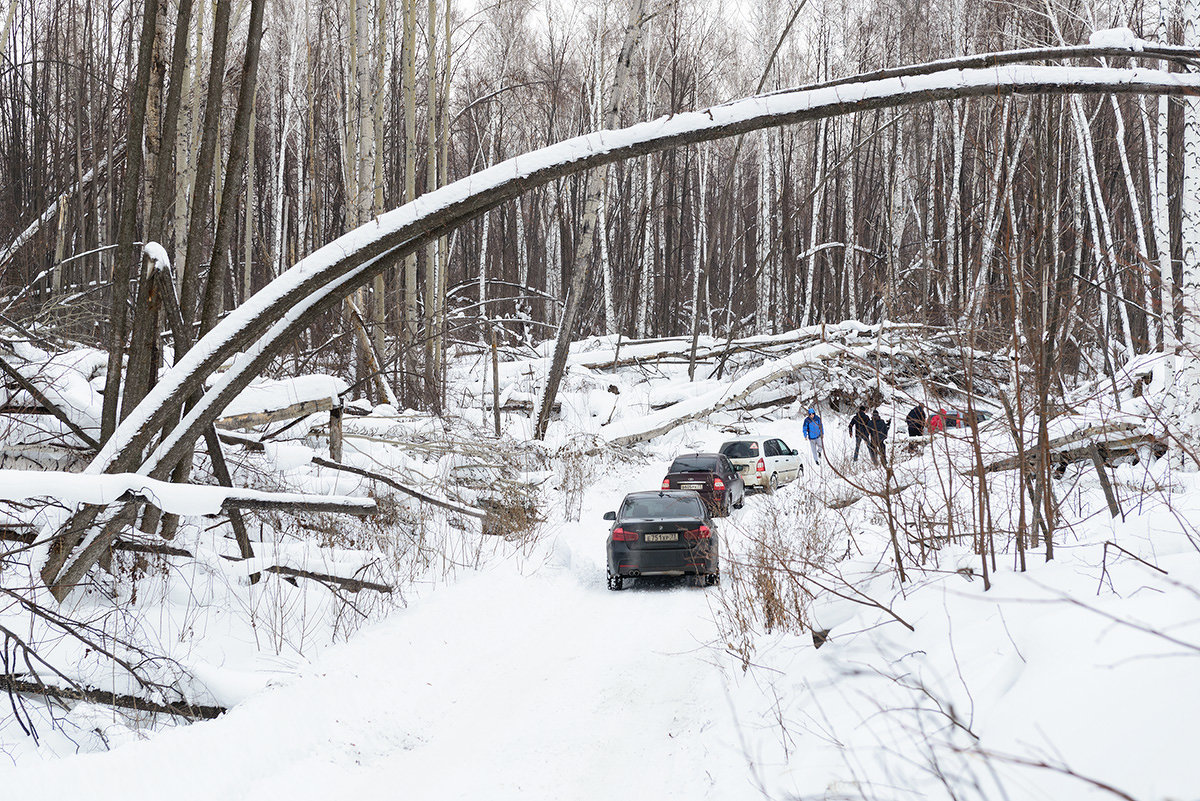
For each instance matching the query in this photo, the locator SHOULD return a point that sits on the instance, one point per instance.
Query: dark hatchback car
(711, 475)
(662, 534)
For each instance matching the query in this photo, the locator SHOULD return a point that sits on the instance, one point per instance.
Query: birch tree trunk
(1102, 226)
(1191, 190)
(1162, 238)
(581, 267)
(762, 293)
(646, 285)
(818, 201)
(610, 306)
(850, 200)
(699, 246)
(1135, 210)
(410, 314)
(431, 180)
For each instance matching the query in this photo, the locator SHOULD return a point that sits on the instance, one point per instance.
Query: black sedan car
(711, 475)
(665, 533)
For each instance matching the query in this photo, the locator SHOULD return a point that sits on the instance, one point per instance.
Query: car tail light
(666, 483)
(761, 467)
(718, 484)
(621, 535)
(701, 533)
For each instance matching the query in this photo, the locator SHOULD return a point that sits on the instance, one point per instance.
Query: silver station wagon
(764, 463)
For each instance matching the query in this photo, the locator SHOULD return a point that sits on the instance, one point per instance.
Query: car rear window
(693, 464)
(740, 450)
(661, 506)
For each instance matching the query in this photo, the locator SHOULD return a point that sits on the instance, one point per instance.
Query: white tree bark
(1191, 189)
(610, 304)
(699, 239)
(647, 283)
(1102, 226)
(1135, 206)
(818, 202)
(848, 255)
(762, 311)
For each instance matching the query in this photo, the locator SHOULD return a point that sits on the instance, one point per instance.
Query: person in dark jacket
(916, 421)
(879, 432)
(860, 428)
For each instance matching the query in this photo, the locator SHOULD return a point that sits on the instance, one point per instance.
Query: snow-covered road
(502, 685)
(528, 679)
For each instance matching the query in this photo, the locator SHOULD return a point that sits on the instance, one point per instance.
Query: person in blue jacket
(813, 432)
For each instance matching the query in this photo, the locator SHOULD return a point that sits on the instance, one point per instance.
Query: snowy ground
(525, 678)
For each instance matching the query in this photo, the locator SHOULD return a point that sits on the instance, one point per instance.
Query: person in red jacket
(937, 422)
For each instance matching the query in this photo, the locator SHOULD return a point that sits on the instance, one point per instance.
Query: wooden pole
(335, 432)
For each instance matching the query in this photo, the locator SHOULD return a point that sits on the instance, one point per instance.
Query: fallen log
(1112, 438)
(249, 443)
(160, 549)
(627, 432)
(352, 584)
(252, 419)
(421, 496)
(14, 683)
(47, 404)
(346, 506)
(101, 491)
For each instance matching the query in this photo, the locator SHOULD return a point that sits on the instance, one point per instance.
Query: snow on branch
(181, 499)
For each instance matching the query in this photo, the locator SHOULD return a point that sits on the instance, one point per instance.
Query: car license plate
(692, 485)
(672, 536)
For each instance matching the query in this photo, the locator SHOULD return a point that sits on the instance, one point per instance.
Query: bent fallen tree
(267, 321)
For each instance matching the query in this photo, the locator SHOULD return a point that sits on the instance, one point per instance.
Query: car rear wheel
(712, 579)
(616, 583)
(772, 484)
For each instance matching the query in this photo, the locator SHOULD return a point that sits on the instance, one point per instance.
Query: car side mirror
(610, 515)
